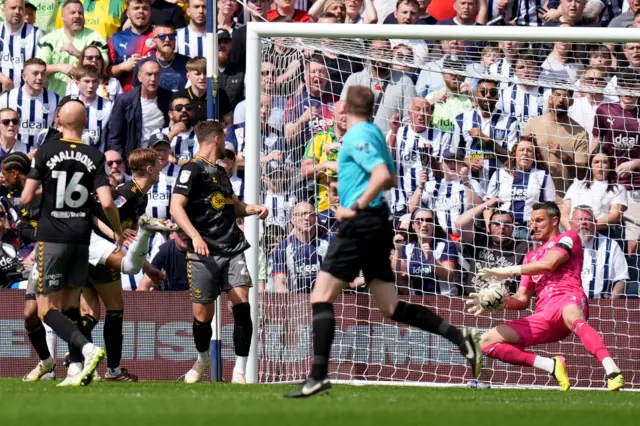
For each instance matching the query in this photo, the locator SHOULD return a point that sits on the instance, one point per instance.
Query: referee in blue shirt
(364, 243)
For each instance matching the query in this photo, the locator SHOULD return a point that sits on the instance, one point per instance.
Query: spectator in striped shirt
(506, 67)
(190, 40)
(35, 104)
(159, 195)
(605, 270)
(180, 132)
(19, 41)
(98, 108)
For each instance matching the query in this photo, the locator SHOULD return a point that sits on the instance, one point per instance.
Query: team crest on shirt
(184, 176)
(191, 142)
(45, 108)
(100, 115)
(322, 250)
(148, 42)
(23, 43)
(499, 135)
(119, 202)
(270, 140)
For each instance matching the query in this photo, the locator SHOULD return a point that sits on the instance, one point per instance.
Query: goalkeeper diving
(553, 271)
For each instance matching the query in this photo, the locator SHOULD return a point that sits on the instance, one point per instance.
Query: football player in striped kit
(407, 142)
(190, 40)
(19, 41)
(98, 108)
(35, 104)
(159, 195)
(485, 134)
(522, 99)
(181, 132)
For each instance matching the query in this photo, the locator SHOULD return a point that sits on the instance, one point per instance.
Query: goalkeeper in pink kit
(553, 271)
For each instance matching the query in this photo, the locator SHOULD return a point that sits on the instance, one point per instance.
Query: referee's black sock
(422, 317)
(242, 328)
(324, 325)
(202, 333)
(64, 328)
(73, 313)
(87, 324)
(38, 337)
(113, 337)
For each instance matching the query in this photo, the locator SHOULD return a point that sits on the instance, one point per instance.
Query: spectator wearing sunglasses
(173, 66)
(484, 134)
(180, 131)
(9, 126)
(116, 167)
(427, 259)
(495, 247)
(109, 87)
(228, 163)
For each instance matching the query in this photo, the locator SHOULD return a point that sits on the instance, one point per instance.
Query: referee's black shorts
(363, 243)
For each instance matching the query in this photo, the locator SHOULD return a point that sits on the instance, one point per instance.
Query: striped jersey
(409, 165)
(279, 206)
(523, 102)
(97, 113)
(447, 199)
(526, 12)
(16, 49)
(189, 42)
(604, 265)
(36, 113)
(503, 68)
(159, 196)
(501, 128)
(520, 190)
(185, 145)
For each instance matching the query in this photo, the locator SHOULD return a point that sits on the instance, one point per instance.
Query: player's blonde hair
(141, 158)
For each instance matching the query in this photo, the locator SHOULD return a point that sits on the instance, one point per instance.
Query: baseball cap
(223, 35)
(157, 138)
(457, 155)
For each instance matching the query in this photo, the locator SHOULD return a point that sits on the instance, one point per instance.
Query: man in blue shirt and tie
(363, 243)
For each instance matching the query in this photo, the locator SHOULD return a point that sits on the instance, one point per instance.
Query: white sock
(114, 371)
(610, 366)
(48, 361)
(241, 364)
(51, 339)
(544, 363)
(137, 253)
(86, 350)
(203, 357)
(74, 368)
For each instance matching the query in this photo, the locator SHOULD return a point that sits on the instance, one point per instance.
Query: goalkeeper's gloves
(475, 308)
(501, 273)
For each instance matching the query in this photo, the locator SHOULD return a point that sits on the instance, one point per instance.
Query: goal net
(467, 121)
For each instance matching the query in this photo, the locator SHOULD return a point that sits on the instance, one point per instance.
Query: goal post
(383, 353)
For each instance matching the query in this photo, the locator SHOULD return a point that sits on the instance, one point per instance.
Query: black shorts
(363, 243)
(102, 274)
(58, 266)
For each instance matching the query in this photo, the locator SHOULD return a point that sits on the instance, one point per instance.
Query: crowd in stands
(479, 131)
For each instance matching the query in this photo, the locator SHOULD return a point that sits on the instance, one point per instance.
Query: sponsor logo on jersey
(625, 141)
(218, 200)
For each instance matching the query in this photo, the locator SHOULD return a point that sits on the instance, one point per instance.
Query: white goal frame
(256, 31)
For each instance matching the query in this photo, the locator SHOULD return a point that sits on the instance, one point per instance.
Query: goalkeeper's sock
(510, 354)
(422, 317)
(544, 363)
(113, 337)
(38, 338)
(202, 333)
(137, 253)
(593, 343)
(324, 324)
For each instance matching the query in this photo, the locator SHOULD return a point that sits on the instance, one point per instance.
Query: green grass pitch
(176, 404)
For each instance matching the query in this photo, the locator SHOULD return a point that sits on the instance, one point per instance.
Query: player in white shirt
(485, 134)
(35, 104)
(605, 270)
(408, 148)
(181, 132)
(190, 40)
(98, 108)
(524, 100)
(18, 43)
(159, 196)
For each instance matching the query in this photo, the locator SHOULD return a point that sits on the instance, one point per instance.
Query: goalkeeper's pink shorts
(547, 325)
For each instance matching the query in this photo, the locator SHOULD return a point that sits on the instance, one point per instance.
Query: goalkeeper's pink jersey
(565, 280)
